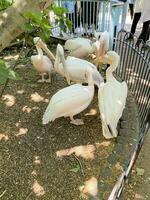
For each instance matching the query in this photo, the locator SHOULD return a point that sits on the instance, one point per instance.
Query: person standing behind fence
(145, 18)
(72, 14)
(131, 7)
(142, 13)
(127, 3)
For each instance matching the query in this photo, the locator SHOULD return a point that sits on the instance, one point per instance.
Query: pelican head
(36, 40)
(68, 44)
(95, 46)
(97, 35)
(60, 50)
(110, 57)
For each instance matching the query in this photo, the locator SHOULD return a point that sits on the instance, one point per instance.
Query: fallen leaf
(38, 189)
(140, 171)
(76, 169)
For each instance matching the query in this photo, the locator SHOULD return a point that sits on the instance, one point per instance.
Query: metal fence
(87, 16)
(135, 70)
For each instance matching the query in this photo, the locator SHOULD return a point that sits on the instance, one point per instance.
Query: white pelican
(111, 97)
(74, 68)
(102, 46)
(80, 47)
(70, 101)
(97, 35)
(40, 62)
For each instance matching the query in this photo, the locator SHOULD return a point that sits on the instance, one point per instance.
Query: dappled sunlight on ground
(26, 109)
(22, 131)
(38, 189)
(20, 91)
(3, 137)
(90, 187)
(118, 166)
(9, 100)
(103, 144)
(86, 152)
(17, 124)
(5, 14)
(37, 160)
(34, 173)
(38, 98)
(11, 57)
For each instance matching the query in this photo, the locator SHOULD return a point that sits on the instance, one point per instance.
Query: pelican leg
(67, 78)
(49, 79)
(76, 121)
(65, 69)
(42, 80)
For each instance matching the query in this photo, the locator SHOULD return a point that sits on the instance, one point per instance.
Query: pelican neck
(40, 52)
(110, 70)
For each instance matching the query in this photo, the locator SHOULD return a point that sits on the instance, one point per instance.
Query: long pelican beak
(105, 59)
(48, 52)
(65, 68)
(100, 53)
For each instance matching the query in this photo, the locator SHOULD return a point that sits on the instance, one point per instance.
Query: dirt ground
(138, 186)
(30, 166)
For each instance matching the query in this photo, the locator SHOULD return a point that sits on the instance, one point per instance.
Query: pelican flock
(75, 98)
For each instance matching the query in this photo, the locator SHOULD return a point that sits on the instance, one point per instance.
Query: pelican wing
(115, 101)
(65, 100)
(73, 61)
(73, 44)
(112, 99)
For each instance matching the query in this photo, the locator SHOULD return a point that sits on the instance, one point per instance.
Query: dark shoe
(145, 47)
(139, 41)
(84, 35)
(130, 38)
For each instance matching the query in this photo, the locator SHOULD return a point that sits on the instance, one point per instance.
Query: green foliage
(39, 23)
(6, 72)
(5, 3)
(60, 18)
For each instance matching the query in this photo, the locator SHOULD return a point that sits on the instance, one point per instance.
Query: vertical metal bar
(87, 8)
(90, 15)
(103, 15)
(93, 21)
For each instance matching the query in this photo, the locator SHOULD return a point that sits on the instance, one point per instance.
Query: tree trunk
(12, 20)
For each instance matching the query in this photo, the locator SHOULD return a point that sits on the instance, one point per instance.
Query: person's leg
(134, 25)
(144, 33)
(131, 6)
(135, 22)
(124, 14)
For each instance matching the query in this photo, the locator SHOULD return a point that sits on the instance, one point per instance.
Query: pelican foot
(77, 122)
(41, 81)
(48, 81)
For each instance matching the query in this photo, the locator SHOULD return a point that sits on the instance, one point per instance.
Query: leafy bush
(6, 72)
(39, 23)
(5, 3)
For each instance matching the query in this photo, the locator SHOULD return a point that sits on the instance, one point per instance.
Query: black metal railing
(135, 70)
(87, 16)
